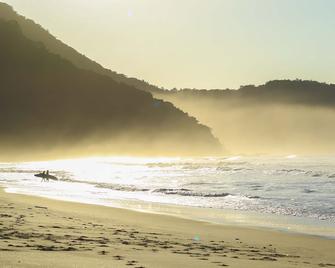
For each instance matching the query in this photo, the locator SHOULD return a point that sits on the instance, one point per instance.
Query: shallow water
(297, 193)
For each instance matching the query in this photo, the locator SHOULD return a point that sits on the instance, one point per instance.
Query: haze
(193, 43)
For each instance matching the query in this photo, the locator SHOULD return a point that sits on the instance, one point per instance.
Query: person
(47, 172)
(43, 172)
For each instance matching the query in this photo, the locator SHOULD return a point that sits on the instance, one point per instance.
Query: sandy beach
(39, 232)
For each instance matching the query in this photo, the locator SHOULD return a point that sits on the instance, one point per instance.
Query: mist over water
(277, 118)
(298, 187)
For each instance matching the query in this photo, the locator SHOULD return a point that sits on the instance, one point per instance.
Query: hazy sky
(197, 43)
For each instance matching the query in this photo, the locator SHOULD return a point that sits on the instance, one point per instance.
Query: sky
(197, 43)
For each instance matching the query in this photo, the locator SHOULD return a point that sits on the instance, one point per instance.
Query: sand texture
(38, 232)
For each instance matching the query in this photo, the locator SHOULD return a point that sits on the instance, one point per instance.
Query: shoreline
(40, 232)
(226, 217)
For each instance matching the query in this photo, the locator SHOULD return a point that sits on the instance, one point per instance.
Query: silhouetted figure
(45, 175)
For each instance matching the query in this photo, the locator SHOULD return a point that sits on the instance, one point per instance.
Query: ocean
(288, 193)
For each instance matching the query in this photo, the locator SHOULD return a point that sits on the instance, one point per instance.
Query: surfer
(45, 175)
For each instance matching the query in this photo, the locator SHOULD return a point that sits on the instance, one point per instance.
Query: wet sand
(39, 232)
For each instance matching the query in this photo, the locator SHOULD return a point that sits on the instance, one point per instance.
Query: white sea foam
(301, 188)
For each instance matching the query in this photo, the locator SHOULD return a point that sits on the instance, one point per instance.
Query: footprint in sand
(118, 257)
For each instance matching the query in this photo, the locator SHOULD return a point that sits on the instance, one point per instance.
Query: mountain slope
(48, 105)
(303, 92)
(36, 32)
(279, 117)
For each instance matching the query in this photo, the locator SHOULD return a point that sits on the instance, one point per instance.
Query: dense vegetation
(279, 117)
(300, 92)
(46, 101)
(37, 33)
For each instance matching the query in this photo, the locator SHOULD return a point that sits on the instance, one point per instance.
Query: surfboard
(46, 176)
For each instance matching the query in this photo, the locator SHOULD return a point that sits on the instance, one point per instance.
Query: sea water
(292, 193)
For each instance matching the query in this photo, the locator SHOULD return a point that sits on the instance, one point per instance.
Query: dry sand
(39, 232)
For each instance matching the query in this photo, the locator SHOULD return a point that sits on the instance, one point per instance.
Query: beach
(223, 156)
(40, 232)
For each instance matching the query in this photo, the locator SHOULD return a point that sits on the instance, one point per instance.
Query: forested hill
(37, 33)
(303, 92)
(48, 104)
(285, 90)
(279, 117)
